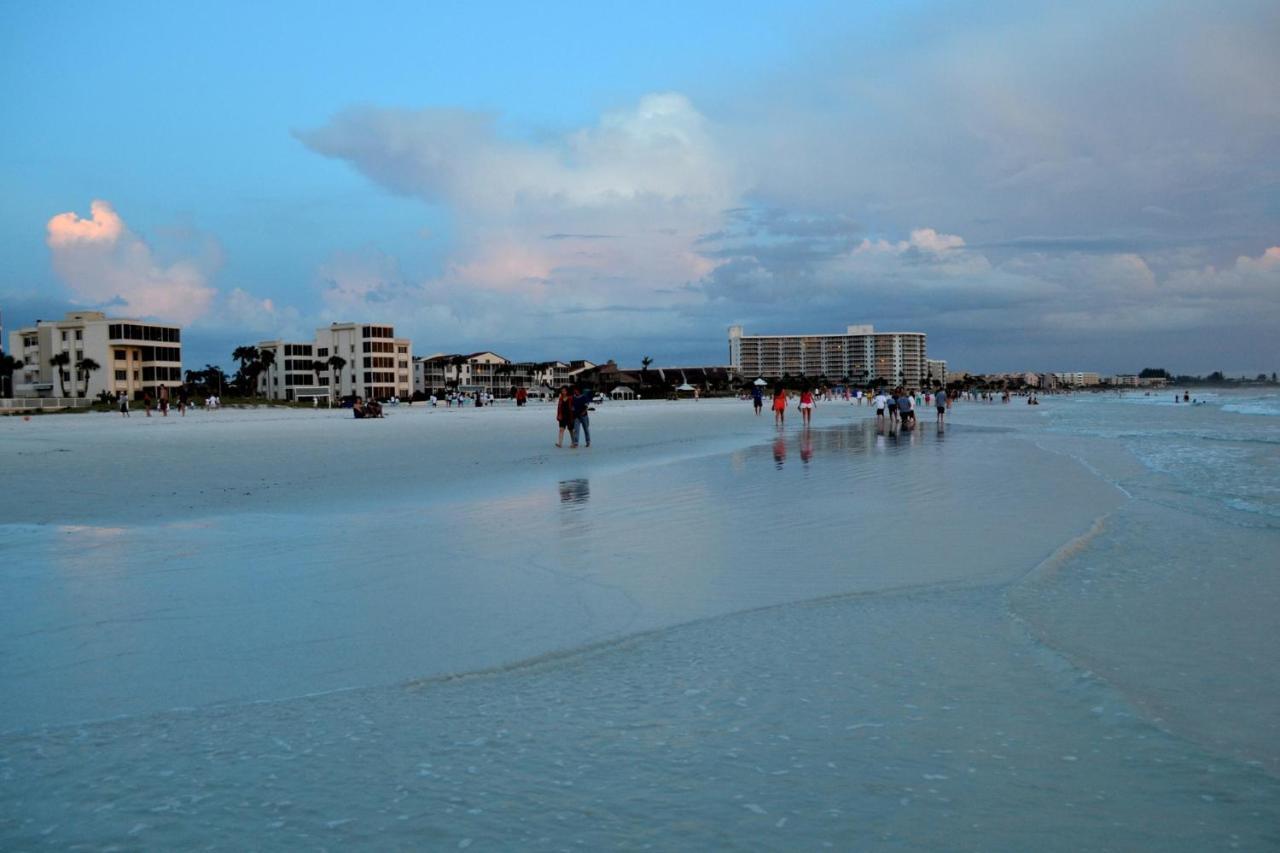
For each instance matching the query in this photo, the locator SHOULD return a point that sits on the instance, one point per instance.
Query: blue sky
(1035, 186)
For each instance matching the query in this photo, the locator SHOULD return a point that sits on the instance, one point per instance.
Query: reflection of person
(779, 451)
(779, 406)
(564, 413)
(757, 398)
(806, 446)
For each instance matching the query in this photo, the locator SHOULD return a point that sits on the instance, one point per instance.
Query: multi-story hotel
(861, 355)
(132, 356)
(377, 364)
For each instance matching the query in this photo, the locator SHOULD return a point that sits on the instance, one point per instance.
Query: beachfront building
(295, 373)
(132, 356)
(861, 355)
(1078, 379)
(488, 372)
(935, 372)
(376, 365)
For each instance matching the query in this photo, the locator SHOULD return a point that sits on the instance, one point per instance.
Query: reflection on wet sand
(575, 491)
(858, 437)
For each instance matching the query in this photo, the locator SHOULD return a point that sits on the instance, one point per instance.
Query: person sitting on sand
(357, 408)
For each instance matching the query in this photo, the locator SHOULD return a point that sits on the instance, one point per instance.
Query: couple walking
(572, 407)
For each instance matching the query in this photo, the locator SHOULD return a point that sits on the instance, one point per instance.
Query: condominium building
(935, 372)
(860, 355)
(1078, 378)
(487, 371)
(132, 356)
(375, 363)
(295, 373)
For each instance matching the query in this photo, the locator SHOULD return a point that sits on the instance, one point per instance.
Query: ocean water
(1050, 627)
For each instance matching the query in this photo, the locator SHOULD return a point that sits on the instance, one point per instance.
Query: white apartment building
(376, 364)
(862, 355)
(293, 375)
(132, 356)
(1078, 379)
(935, 371)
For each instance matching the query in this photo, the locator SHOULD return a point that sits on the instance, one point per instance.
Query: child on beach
(779, 406)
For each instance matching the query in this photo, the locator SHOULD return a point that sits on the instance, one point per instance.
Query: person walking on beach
(182, 400)
(564, 413)
(779, 405)
(581, 418)
(906, 410)
(892, 405)
(757, 399)
(164, 400)
(940, 401)
(146, 401)
(123, 399)
(806, 406)
(881, 403)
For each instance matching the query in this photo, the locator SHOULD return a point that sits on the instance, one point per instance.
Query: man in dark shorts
(940, 399)
(757, 398)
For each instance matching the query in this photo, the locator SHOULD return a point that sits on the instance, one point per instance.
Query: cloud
(578, 216)
(241, 312)
(1028, 169)
(104, 264)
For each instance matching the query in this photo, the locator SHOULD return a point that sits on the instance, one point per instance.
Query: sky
(1087, 186)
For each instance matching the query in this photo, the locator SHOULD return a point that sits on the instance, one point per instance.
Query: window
(122, 355)
(64, 336)
(122, 375)
(79, 334)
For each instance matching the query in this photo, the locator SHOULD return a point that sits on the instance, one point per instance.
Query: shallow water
(1030, 630)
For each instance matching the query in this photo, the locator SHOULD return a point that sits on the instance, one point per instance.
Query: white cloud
(103, 263)
(581, 220)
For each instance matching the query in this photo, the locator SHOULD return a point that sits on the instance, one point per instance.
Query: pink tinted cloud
(103, 263)
(103, 226)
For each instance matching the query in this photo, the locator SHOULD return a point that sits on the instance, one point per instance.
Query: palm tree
(84, 367)
(58, 362)
(245, 355)
(645, 362)
(336, 362)
(266, 358)
(8, 364)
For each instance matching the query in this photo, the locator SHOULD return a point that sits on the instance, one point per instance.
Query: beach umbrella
(759, 382)
(685, 387)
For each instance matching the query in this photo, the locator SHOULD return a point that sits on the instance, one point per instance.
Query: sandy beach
(847, 634)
